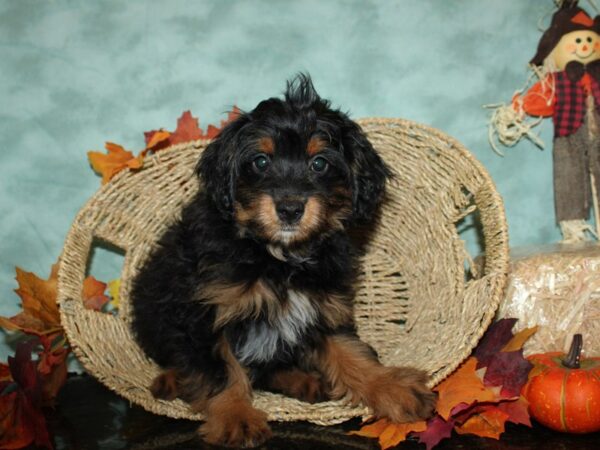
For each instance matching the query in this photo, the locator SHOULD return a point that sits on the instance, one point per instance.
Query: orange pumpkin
(564, 393)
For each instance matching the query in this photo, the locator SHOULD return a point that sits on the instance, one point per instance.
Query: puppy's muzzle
(290, 211)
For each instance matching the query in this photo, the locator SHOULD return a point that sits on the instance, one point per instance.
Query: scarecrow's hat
(567, 19)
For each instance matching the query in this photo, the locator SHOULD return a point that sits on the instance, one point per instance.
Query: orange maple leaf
(465, 386)
(116, 160)
(40, 314)
(390, 434)
(487, 423)
(93, 293)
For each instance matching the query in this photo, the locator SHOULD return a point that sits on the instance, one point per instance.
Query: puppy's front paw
(401, 395)
(243, 427)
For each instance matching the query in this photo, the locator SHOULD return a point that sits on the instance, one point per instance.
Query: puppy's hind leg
(293, 382)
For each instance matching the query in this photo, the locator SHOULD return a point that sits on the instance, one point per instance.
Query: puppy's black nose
(290, 211)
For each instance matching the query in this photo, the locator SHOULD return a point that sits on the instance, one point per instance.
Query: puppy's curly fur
(253, 286)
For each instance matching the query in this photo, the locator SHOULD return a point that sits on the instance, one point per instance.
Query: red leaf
(14, 434)
(187, 129)
(52, 366)
(495, 338)
(517, 411)
(20, 411)
(437, 429)
(509, 370)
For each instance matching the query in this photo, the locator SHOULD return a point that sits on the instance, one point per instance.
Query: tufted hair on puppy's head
(293, 169)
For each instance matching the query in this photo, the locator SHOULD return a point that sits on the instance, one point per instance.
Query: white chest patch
(265, 338)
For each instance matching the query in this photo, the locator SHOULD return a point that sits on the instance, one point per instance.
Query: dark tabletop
(88, 416)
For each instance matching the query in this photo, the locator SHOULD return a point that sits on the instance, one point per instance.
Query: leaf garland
(118, 159)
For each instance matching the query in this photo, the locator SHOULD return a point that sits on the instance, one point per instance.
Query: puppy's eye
(319, 164)
(261, 163)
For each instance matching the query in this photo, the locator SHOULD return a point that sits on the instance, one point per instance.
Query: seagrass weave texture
(420, 301)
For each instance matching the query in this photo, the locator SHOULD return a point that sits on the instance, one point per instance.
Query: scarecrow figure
(568, 64)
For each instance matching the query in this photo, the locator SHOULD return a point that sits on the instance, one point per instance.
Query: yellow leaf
(519, 339)
(113, 290)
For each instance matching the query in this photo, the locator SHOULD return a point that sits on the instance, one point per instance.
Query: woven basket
(420, 302)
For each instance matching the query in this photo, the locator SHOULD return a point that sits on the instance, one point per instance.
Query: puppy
(253, 286)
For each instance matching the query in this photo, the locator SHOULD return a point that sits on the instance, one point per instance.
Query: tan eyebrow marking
(315, 145)
(266, 145)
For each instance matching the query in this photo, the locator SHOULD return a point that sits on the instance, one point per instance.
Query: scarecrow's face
(582, 46)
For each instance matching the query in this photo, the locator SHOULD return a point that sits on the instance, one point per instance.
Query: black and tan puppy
(253, 286)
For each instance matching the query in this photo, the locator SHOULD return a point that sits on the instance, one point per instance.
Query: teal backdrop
(75, 74)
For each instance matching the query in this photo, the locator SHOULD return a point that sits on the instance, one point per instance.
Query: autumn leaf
(466, 386)
(40, 312)
(487, 422)
(4, 374)
(93, 294)
(517, 411)
(187, 129)
(519, 339)
(114, 287)
(390, 434)
(509, 370)
(21, 418)
(437, 430)
(156, 140)
(116, 160)
(497, 336)
(52, 367)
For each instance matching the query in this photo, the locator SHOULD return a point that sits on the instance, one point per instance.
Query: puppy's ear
(218, 165)
(369, 172)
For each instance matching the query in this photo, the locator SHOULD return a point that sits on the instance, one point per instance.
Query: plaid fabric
(570, 107)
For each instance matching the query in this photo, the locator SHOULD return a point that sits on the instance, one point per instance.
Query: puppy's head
(293, 169)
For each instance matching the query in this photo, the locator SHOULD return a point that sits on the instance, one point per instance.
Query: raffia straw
(415, 303)
(509, 125)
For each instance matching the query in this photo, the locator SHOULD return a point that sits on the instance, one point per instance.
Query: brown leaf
(40, 312)
(487, 423)
(465, 385)
(93, 294)
(116, 160)
(510, 370)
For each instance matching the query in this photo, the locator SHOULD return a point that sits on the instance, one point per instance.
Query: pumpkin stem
(572, 361)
